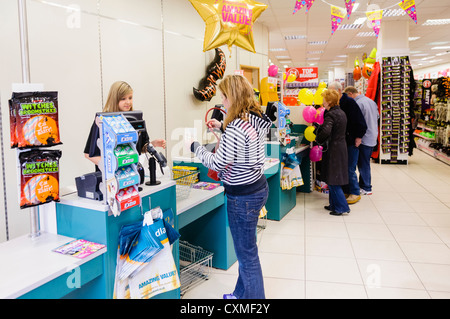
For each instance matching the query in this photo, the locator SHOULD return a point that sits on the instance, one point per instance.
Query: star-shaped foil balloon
(229, 22)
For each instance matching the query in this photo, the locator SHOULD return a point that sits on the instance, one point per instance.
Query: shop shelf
(195, 265)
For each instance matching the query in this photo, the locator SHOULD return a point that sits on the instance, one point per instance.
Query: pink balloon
(319, 117)
(273, 70)
(315, 154)
(309, 114)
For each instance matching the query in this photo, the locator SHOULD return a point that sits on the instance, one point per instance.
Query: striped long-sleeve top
(239, 159)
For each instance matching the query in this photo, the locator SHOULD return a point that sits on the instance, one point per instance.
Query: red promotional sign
(303, 74)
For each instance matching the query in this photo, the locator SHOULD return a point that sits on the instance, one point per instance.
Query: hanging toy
(368, 64)
(357, 70)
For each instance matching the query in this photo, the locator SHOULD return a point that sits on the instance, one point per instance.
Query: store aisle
(394, 243)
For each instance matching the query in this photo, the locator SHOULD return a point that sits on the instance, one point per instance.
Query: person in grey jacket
(369, 110)
(335, 158)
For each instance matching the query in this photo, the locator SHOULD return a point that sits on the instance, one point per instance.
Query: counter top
(196, 197)
(29, 263)
(74, 200)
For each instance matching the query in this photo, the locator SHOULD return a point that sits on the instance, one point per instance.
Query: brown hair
(241, 97)
(351, 89)
(117, 91)
(331, 96)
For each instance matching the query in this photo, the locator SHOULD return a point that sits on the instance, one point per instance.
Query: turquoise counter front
(83, 218)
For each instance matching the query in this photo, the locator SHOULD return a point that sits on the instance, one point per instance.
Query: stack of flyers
(79, 248)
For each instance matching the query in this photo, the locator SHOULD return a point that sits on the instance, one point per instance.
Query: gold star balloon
(229, 22)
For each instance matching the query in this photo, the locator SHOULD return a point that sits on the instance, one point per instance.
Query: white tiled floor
(394, 243)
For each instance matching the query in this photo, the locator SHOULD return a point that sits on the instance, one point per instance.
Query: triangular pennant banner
(309, 4)
(299, 4)
(410, 8)
(349, 6)
(375, 20)
(337, 15)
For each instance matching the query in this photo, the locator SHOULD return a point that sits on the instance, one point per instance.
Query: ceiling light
(310, 59)
(317, 42)
(393, 13)
(440, 48)
(277, 49)
(349, 26)
(314, 52)
(295, 37)
(282, 57)
(428, 57)
(285, 62)
(443, 53)
(285, 66)
(341, 56)
(435, 61)
(356, 46)
(366, 34)
(437, 22)
(420, 54)
(413, 38)
(355, 6)
(360, 20)
(438, 43)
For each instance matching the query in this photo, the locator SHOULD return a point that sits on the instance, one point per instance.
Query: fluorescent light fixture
(443, 53)
(312, 64)
(349, 26)
(413, 38)
(285, 62)
(437, 22)
(277, 49)
(295, 37)
(393, 13)
(355, 7)
(356, 46)
(435, 61)
(438, 43)
(314, 52)
(428, 58)
(282, 57)
(285, 66)
(366, 34)
(310, 59)
(317, 42)
(440, 48)
(341, 56)
(360, 20)
(420, 54)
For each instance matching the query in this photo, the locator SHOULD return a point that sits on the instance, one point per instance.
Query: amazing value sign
(303, 74)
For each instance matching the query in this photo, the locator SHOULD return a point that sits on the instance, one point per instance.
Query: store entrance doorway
(251, 73)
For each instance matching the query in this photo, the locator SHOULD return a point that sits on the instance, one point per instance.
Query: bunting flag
(309, 4)
(299, 4)
(349, 6)
(410, 8)
(375, 20)
(337, 15)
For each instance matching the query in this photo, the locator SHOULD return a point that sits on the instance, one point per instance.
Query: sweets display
(34, 119)
(395, 107)
(39, 177)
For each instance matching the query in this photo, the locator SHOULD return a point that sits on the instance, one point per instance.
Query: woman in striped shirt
(239, 161)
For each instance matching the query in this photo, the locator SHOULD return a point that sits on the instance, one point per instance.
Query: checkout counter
(201, 220)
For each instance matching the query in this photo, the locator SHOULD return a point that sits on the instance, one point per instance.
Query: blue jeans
(353, 185)
(243, 214)
(338, 202)
(365, 179)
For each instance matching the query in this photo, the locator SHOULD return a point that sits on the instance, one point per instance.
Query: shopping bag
(160, 274)
(145, 264)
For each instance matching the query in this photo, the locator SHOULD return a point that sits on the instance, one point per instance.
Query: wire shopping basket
(185, 177)
(195, 265)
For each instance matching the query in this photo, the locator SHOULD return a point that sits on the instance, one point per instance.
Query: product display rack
(119, 157)
(395, 112)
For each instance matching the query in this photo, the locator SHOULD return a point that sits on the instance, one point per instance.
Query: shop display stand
(395, 104)
(120, 179)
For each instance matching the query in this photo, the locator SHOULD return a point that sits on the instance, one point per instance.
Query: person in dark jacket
(356, 129)
(335, 159)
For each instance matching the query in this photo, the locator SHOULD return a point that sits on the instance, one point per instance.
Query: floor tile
(434, 277)
(331, 290)
(426, 252)
(285, 244)
(278, 288)
(332, 269)
(328, 246)
(326, 228)
(382, 273)
(396, 293)
(418, 234)
(369, 231)
(377, 249)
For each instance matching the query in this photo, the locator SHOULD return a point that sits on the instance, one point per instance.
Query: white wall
(155, 45)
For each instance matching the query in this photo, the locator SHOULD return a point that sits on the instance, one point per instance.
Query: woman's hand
(159, 143)
(213, 123)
